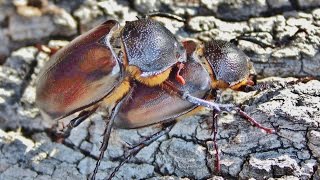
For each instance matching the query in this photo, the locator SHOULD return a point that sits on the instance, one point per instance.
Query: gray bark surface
(28, 151)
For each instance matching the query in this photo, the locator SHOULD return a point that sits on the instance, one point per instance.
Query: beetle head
(230, 66)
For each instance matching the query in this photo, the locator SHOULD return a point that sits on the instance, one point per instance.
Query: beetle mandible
(119, 67)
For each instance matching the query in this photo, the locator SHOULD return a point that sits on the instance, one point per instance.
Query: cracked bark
(27, 150)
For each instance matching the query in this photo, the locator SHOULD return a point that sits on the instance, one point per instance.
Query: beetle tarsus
(137, 148)
(77, 121)
(214, 138)
(254, 122)
(47, 49)
(166, 128)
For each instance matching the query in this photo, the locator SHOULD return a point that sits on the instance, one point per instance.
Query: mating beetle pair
(142, 73)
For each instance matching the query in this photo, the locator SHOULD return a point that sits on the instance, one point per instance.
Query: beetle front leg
(107, 131)
(106, 136)
(212, 105)
(253, 121)
(77, 121)
(169, 87)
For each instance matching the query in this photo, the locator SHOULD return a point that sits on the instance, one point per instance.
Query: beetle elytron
(142, 73)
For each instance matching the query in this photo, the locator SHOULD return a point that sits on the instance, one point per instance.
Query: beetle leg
(78, 120)
(215, 106)
(149, 140)
(106, 137)
(107, 131)
(166, 127)
(214, 139)
(226, 107)
(253, 121)
(194, 100)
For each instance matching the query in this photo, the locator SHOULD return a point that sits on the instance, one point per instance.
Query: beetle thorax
(150, 50)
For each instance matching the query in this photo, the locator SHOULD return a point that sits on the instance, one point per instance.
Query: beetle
(150, 105)
(137, 69)
(90, 64)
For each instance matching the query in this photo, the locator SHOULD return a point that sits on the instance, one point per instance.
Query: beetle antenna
(252, 39)
(166, 15)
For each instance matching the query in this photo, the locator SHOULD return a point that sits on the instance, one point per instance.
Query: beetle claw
(129, 146)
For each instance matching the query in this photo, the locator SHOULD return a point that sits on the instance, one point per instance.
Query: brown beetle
(134, 70)
(89, 64)
(172, 101)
